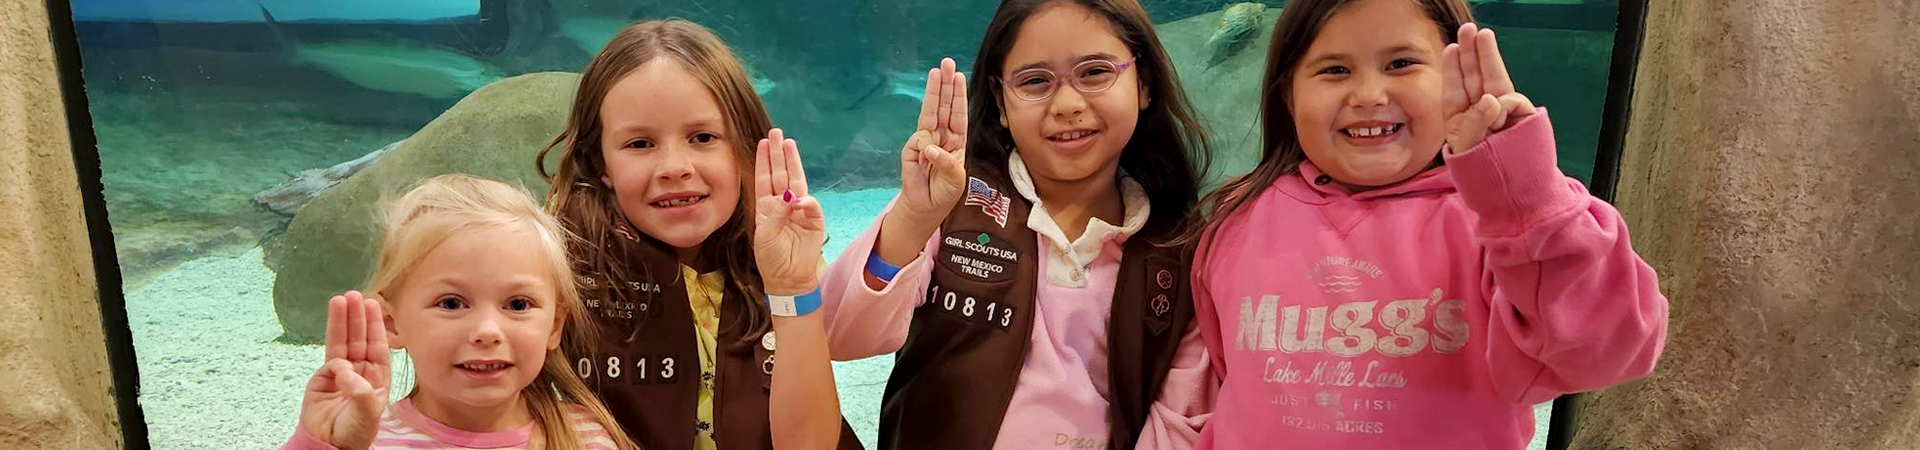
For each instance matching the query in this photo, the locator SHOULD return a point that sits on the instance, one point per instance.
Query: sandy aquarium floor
(213, 376)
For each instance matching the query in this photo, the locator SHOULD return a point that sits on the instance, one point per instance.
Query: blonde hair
(448, 205)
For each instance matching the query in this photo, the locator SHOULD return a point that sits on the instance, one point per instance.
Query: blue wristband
(794, 306)
(807, 303)
(880, 269)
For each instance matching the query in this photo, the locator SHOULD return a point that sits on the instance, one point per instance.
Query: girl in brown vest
(1019, 274)
(683, 240)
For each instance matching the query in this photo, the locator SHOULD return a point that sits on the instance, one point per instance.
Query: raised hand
(346, 397)
(788, 226)
(933, 171)
(1478, 95)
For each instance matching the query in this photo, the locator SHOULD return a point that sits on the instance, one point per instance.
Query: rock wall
(1770, 174)
(55, 387)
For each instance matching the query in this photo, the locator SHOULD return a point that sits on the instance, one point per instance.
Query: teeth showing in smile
(679, 202)
(1068, 136)
(1371, 131)
(484, 367)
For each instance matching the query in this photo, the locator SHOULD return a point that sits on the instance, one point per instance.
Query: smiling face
(1366, 97)
(1070, 136)
(477, 317)
(672, 169)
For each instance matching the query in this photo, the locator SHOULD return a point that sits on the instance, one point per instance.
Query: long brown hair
(448, 205)
(1281, 154)
(586, 205)
(1168, 152)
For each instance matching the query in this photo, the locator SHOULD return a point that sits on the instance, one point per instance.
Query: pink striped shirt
(403, 427)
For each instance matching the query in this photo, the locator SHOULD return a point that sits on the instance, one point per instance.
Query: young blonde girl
(1407, 267)
(474, 284)
(1021, 276)
(699, 248)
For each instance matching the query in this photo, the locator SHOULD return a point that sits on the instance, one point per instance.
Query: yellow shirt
(704, 291)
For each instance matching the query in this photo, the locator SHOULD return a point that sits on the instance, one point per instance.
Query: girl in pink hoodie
(1019, 277)
(1407, 267)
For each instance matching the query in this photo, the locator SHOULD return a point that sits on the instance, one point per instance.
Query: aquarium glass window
(233, 132)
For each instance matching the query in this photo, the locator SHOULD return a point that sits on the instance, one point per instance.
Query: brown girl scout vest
(646, 366)
(955, 375)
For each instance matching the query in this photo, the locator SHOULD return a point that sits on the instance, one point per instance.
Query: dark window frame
(1629, 32)
(122, 364)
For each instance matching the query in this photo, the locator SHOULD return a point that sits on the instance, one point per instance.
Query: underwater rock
(1238, 23)
(287, 197)
(1226, 94)
(331, 245)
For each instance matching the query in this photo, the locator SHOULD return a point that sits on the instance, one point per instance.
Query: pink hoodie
(1430, 314)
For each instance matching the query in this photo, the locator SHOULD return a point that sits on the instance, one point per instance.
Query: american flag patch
(989, 200)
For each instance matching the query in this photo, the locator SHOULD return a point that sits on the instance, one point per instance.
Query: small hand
(1478, 97)
(789, 227)
(345, 398)
(933, 162)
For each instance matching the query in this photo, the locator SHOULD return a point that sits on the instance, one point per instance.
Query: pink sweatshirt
(404, 428)
(1430, 314)
(1060, 398)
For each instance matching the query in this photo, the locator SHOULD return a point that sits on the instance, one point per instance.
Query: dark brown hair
(1281, 154)
(1168, 152)
(586, 206)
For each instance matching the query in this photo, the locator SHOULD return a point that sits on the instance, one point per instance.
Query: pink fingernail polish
(787, 196)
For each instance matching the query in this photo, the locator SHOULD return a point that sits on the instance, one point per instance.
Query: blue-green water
(198, 105)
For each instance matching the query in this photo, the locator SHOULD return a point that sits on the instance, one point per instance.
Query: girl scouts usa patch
(978, 256)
